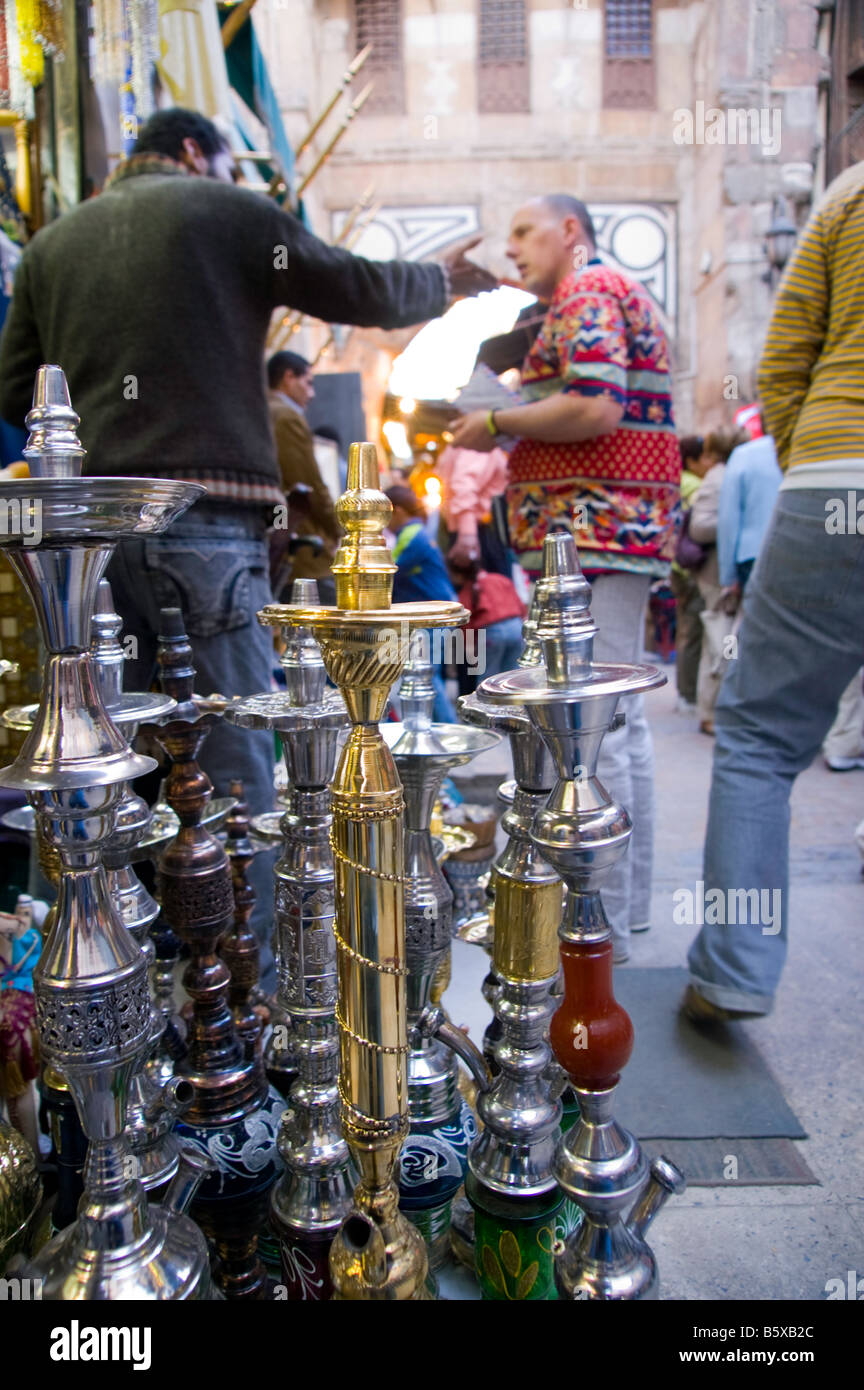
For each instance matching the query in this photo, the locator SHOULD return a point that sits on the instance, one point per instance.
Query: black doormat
(736, 1162)
(684, 1082)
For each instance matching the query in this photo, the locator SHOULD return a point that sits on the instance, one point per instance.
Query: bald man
(596, 450)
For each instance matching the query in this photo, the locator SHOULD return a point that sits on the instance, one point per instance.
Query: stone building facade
(679, 122)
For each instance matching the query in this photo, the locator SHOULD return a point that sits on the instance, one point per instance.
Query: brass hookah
(572, 702)
(91, 979)
(377, 1254)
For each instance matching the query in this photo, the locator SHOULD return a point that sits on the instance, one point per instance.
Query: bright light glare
(397, 437)
(438, 362)
(433, 491)
(407, 405)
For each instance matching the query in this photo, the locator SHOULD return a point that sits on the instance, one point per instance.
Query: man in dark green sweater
(155, 298)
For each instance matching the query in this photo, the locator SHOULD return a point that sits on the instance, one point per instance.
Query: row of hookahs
(197, 1175)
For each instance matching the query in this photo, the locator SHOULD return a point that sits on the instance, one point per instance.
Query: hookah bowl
(376, 1254)
(233, 1115)
(313, 1196)
(434, 1157)
(582, 832)
(91, 979)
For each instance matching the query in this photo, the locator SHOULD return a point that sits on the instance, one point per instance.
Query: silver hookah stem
(521, 798)
(521, 1111)
(313, 1196)
(582, 832)
(152, 1109)
(434, 1156)
(53, 449)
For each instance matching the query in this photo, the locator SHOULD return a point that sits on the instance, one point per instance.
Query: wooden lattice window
(846, 90)
(379, 22)
(628, 67)
(503, 72)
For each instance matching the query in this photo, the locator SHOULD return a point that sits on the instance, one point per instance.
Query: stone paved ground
(759, 1243)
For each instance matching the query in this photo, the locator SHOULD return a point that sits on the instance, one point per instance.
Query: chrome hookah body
(91, 980)
(434, 1156)
(314, 1194)
(512, 1186)
(153, 1108)
(572, 702)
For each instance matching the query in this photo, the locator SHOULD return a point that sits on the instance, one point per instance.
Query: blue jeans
(212, 564)
(503, 646)
(800, 644)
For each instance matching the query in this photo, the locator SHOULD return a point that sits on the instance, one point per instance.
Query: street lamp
(779, 239)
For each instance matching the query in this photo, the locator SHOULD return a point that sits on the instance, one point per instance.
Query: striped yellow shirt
(811, 377)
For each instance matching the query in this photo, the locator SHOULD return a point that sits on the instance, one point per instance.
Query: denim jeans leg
(640, 856)
(503, 646)
(800, 643)
(626, 763)
(213, 565)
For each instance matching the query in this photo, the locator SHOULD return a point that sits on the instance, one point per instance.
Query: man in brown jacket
(290, 389)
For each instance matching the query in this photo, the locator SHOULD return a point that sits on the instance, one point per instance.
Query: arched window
(503, 72)
(628, 45)
(379, 22)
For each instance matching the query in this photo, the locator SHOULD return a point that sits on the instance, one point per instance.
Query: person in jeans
(496, 610)
(802, 637)
(596, 450)
(715, 617)
(751, 480)
(156, 299)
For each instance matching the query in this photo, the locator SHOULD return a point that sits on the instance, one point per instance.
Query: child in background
(497, 610)
(420, 570)
(420, 574)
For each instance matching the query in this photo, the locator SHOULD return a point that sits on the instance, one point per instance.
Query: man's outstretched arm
(335, 286)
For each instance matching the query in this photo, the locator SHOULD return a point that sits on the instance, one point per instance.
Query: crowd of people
(768, 642)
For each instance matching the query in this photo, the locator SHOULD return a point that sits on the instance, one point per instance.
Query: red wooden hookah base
(591, 1034)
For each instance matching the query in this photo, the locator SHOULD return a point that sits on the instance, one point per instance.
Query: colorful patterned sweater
(619, 492)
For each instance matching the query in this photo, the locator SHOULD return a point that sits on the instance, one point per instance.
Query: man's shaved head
(551, 236)
(564, 205)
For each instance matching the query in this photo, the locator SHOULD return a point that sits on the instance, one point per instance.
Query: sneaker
(844, 764)
(641, 926)
(695, 1007)
(685, 706)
